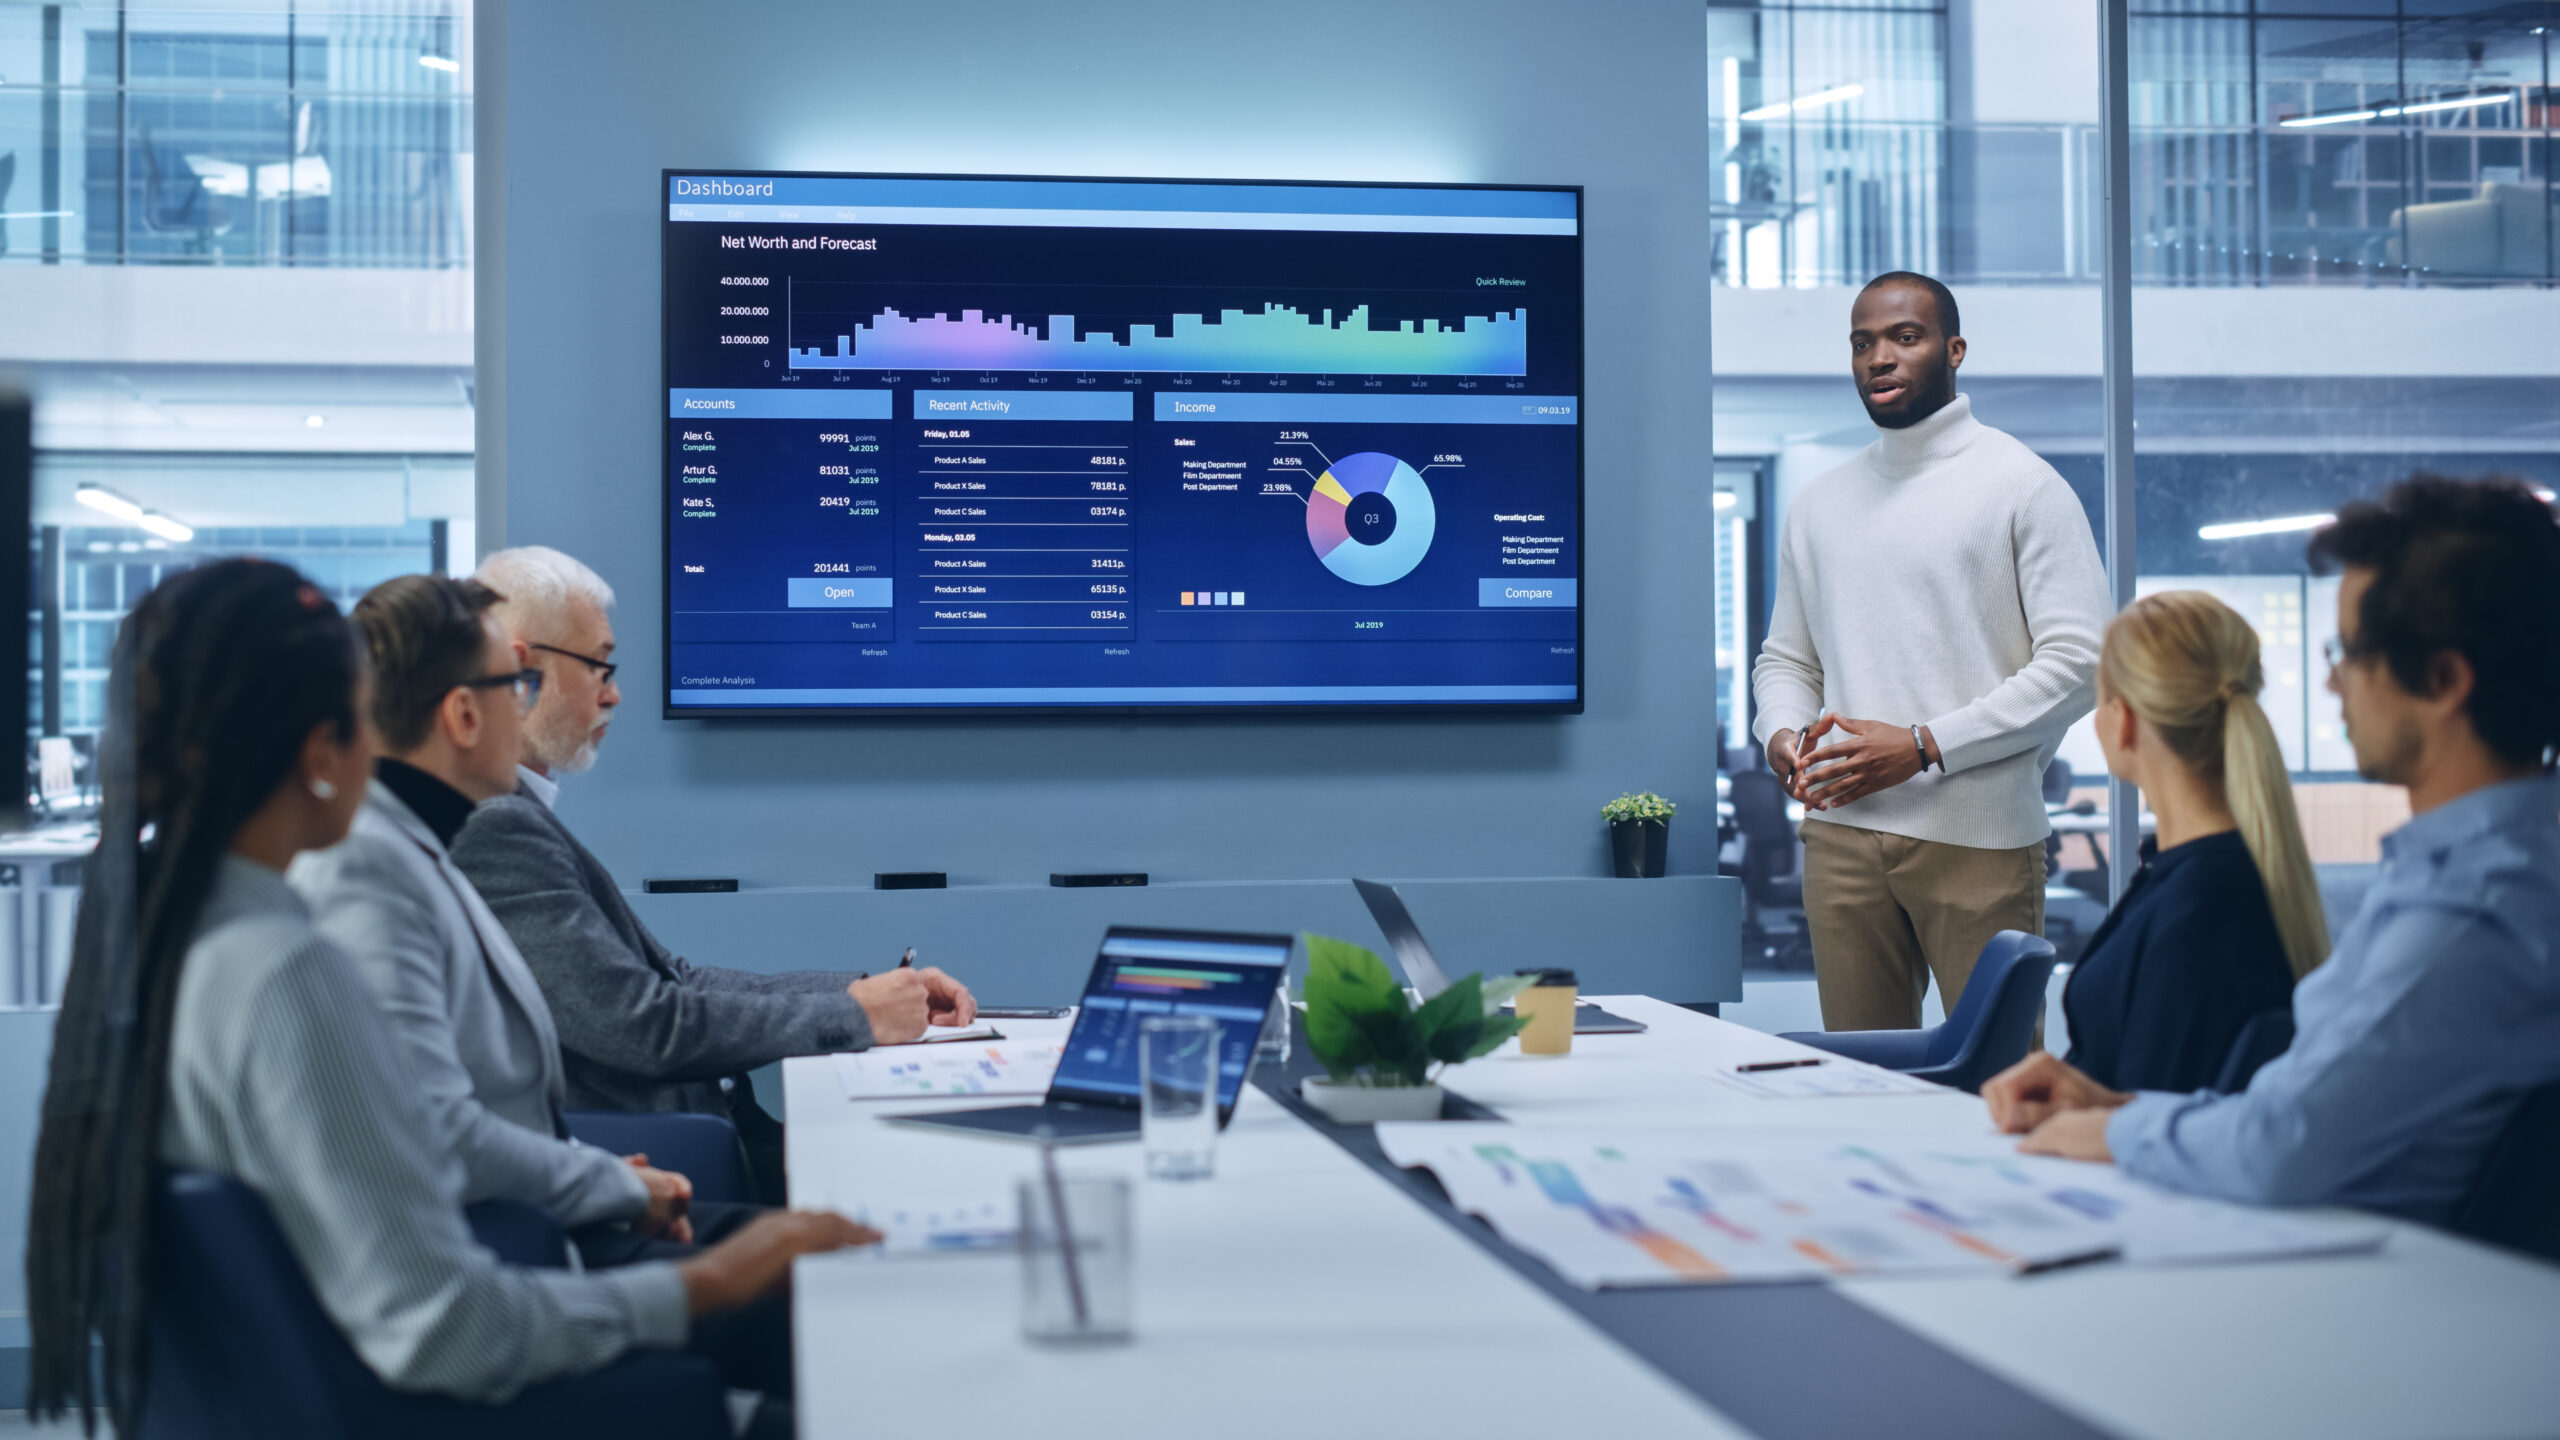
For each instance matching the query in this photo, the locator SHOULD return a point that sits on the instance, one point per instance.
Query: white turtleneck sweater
(1945, 576)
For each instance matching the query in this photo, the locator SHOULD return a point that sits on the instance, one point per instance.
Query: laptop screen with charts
(1139, 973)
(1422, 968)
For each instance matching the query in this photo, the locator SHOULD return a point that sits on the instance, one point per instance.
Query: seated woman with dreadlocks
(208, 1026)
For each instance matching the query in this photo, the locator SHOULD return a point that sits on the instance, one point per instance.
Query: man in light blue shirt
(2440, 1007)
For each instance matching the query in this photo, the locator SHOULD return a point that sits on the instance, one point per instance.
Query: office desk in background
(1301, 1273)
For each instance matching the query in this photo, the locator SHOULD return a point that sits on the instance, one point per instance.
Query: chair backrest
(2515, 1202)
(702, 1148)
(2268, 1034)
(241, 1350)
(2058, 779)
(239, 1345)
(1995, 1020)
(1768, 841)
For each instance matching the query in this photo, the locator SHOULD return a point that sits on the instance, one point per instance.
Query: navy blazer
(2183, 961)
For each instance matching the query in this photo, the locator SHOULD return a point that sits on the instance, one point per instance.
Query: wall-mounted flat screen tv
(972, 443)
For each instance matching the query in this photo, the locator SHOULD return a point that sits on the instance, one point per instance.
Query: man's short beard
(1928, 397)
(2394, 754)
(552, 754)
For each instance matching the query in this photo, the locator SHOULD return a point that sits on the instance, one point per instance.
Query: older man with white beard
(640, 1028)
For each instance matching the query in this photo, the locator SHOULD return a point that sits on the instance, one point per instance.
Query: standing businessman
(1939, 611)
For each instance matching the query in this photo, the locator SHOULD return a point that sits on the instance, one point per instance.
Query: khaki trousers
(1887, 912)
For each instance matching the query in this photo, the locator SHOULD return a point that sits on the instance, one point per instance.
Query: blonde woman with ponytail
(2225, 914)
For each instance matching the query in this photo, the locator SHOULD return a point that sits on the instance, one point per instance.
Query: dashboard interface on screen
(1230, 981)
(996, 444)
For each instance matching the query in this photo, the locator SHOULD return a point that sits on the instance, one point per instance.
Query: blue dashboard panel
(986, 444)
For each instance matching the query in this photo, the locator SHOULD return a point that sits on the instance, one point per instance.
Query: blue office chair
(518, 1233)
(2268, 1034)
(704, 1149)
(241, 1350)
(2515, 1201)
(1990, 1030)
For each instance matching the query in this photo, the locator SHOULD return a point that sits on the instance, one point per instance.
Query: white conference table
(1299, 1275)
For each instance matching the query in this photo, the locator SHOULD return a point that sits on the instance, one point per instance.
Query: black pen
(907, 960)
(1774, 1065)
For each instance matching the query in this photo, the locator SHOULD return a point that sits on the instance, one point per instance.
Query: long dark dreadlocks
(220, 676)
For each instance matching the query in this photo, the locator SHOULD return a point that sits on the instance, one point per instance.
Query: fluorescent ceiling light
(314, 421)
(1814, 101)
(164, 527)
(445, 63)
(2242, 529)
(1726, 499)
(109, 501)
(2384, 112)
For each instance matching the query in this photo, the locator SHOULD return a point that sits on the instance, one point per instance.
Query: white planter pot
(1369, 1104)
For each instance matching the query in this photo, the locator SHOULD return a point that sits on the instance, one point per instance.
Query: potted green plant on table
(1639, 834)
(1381, 1052)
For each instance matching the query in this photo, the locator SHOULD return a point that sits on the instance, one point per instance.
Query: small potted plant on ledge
(1381, 1052)
(1639, 834)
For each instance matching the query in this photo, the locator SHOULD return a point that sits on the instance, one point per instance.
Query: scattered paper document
(917, 1225)
(905, 1072)
(1841, 1077)
(1637, 1208)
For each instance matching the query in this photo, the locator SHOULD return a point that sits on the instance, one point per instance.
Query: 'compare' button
(1545, 594)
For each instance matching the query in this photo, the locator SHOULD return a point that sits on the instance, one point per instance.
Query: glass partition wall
(2342, 270)
(1838, 160)
(235, 251)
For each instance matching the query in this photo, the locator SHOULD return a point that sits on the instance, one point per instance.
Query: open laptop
(1094, 1096)
(1422, 968)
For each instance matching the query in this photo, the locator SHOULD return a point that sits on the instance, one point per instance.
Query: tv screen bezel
(1262, 709)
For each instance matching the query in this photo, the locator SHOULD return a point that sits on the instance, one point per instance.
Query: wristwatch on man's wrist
(1923, 747)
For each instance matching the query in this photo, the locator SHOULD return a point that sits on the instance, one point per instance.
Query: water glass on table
(1178, 1095)
(1076, 1286)
(1272, 1047)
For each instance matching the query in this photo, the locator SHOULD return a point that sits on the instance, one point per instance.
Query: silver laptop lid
(1421, 968)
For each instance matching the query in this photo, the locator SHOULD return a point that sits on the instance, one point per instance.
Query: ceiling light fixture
(109, 501)
(445, 63)
(1814, 101)
(1726, 499)
(2385, 112)
(314, 422)
(2242, 529)
(164, 527)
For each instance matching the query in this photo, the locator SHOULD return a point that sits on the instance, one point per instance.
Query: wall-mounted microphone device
(689, 887)
(1099, 880)
(910, 880)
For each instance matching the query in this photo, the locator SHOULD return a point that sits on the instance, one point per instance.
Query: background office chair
(2515, 1202)
(702, 1148)
(241, 1350)
(2268, 1034)
(1989, 1032)
(1770, 877)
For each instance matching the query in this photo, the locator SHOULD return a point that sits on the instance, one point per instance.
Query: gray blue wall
(583, 101)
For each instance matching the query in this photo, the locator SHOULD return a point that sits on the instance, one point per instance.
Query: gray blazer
(283, 1076)
(471, 1021)
(642, 1029)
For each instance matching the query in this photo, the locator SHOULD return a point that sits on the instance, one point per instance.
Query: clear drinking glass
(1075, 1293)
(1178, 1084)
(1272, 1048)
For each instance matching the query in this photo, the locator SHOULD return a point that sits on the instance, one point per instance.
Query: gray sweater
(640, 1028)
(283, 1076)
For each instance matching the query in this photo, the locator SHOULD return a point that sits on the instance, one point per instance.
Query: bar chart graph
(1277, 339)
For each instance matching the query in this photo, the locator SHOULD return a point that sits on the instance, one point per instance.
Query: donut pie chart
(1370, 518)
